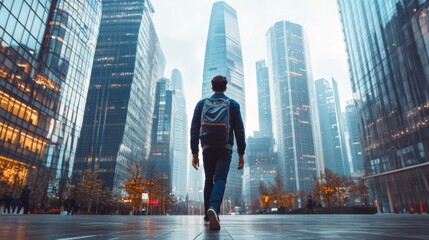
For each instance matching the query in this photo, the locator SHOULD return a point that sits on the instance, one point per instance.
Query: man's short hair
(219, 83)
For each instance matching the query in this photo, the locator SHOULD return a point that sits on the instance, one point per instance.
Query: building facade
(262, 166)
(387, 45)
(223, 57)
(289, 74)
(354, 139)
(118, 114)
(330, 131)
(162, 151)
(46, 54)
(264, 100)
(181, 132)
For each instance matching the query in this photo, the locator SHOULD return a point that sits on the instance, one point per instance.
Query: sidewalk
(379, 226)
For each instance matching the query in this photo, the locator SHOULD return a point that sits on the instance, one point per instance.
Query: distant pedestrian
(310, 204)
(25, 199)
(215, 121)
(72, 206)
(7, 199)
(15, 204)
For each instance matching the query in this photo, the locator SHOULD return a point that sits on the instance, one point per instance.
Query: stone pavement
(318, 226)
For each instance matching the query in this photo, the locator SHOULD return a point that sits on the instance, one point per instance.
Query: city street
(385, 226)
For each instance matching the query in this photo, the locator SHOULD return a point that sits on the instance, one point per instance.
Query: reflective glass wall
(181, 133)
(387, 45)
(118, 113)
(46, 53)
(288, 66)
(223, 57)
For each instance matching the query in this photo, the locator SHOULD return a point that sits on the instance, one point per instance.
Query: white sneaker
(214, 220)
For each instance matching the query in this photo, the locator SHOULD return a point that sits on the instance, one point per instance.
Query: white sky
(182, 28)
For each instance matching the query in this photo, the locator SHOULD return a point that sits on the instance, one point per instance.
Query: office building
(354, 138)
(118, 114)
(223, 57)
(289, 74)
(46, 54)
(332, 136)
(162, 151)
(181, 132)
(264, 100)
(386, 43)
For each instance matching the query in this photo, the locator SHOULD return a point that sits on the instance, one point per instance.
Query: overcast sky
(182, 28)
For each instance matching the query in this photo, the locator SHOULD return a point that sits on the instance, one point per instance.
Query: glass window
(10, 27)
(25, 12)
(19, 30)
(17, 5)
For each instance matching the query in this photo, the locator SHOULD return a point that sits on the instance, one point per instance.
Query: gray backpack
(215, 126)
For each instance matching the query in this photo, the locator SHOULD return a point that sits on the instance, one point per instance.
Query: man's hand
(195, 161)
(240, 162)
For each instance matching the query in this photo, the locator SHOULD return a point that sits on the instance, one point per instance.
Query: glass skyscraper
(181, 132)
(264, 100)
(162, 151)
(118, 114)
(289, 74)
(46, 54)
(387, 44)
(223, 57)
(354, 139)
(331, 134)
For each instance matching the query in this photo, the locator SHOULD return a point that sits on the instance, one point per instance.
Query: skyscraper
(264, 100)
(223, 57)
(288, 66)
(46, 54)
(346, 165)
(118, 113)
(330, 128)
(181, 132)
(162, 151)
(354, 138)
(387, 44)
(261, 166)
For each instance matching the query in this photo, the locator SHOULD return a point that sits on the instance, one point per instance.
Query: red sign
(154, 202)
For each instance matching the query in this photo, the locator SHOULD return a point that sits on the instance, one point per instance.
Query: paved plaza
(318, 226)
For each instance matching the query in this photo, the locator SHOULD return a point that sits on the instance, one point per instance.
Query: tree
(331, 188)
(59, 191)
(275, 194)
(278, 192)
(135, 185)
(159, 189)
(360, 191)
(264, 197)
(89, 188)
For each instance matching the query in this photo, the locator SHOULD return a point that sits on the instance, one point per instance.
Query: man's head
(219, 83)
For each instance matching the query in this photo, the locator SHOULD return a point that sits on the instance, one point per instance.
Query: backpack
(215, 126)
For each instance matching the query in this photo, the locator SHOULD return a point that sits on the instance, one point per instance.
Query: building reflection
(46, 50)
(386, 43)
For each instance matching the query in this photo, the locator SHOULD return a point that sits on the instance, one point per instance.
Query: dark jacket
(236, 122)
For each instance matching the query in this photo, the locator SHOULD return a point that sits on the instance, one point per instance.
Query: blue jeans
(216, 168)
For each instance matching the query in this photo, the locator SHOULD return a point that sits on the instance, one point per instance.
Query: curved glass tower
(46, 54)
(223, 57)
(118, 114)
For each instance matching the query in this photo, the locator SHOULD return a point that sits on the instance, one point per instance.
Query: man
(25, 199)
(217, 157)
(310, 204)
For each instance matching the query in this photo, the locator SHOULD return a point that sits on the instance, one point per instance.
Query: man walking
(216, 120)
